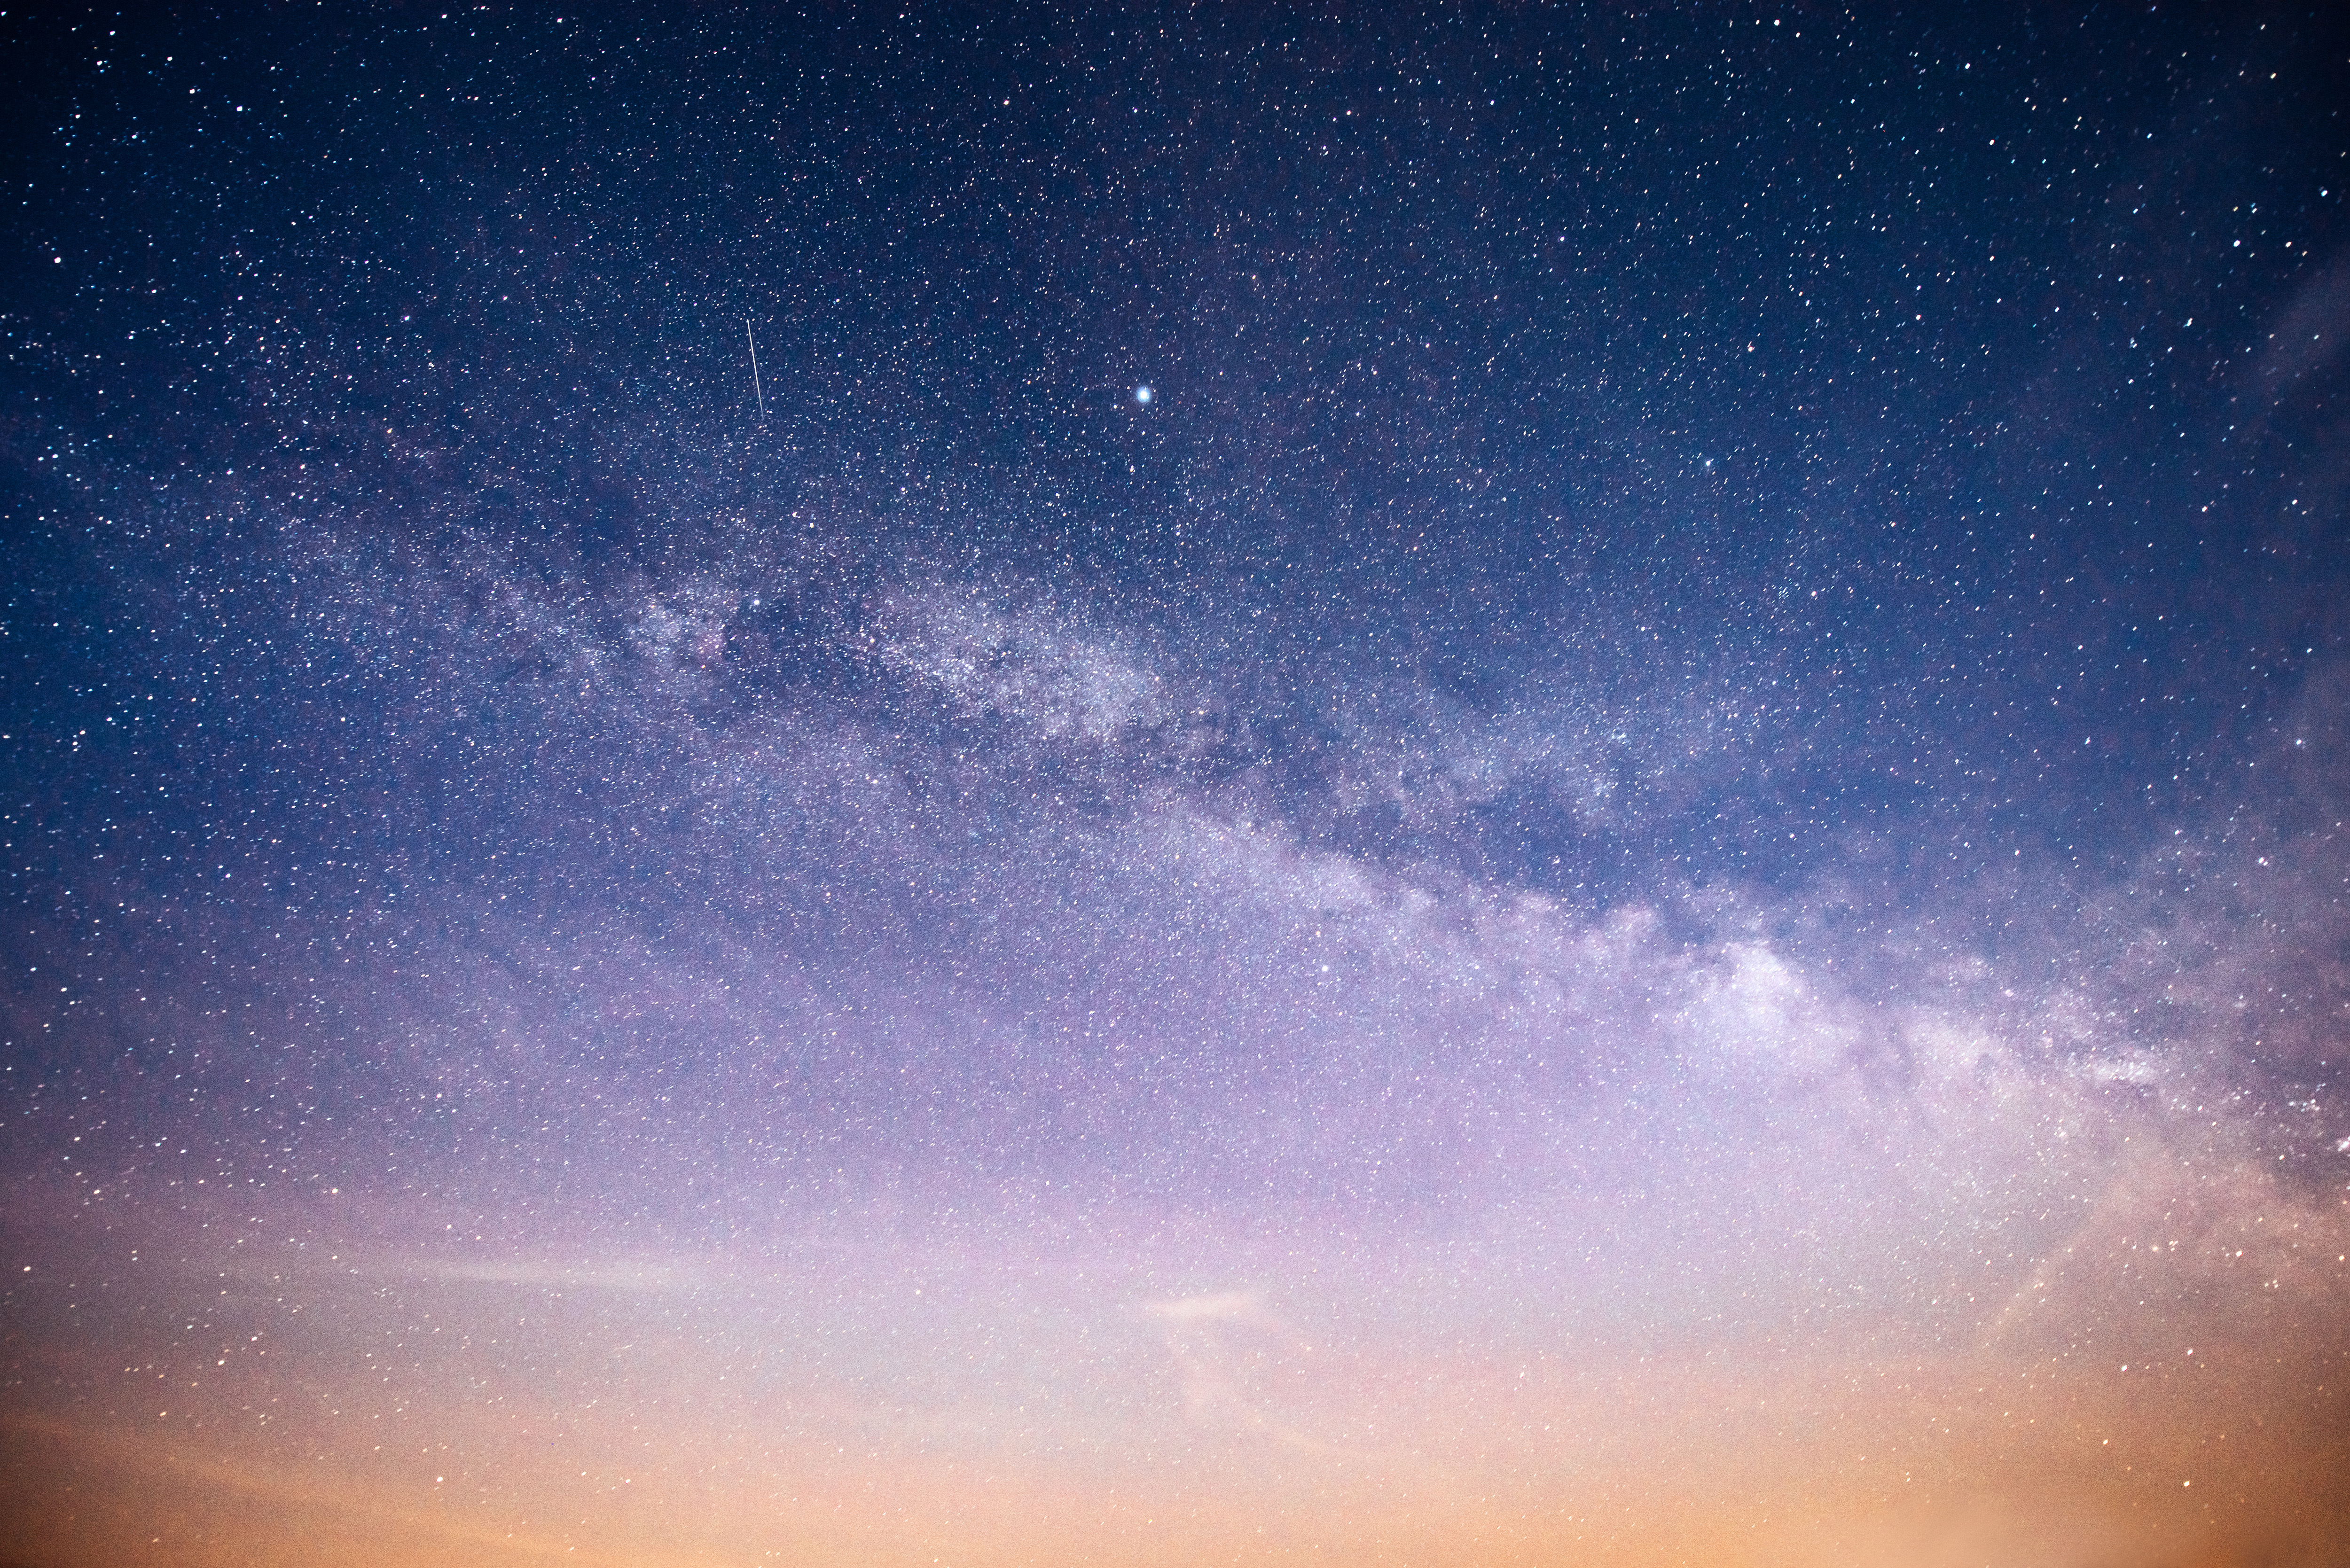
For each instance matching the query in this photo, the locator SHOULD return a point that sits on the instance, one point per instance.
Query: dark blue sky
(1927, 369)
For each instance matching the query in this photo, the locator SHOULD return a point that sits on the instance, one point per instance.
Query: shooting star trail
(753, 341)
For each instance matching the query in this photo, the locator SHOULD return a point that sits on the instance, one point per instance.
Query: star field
(1497, 786)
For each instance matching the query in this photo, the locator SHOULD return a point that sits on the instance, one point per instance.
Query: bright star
(1142, 394)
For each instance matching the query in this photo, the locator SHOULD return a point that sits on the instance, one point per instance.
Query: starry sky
(1495, 785)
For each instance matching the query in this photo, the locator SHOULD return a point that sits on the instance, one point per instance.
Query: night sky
(1502, 785)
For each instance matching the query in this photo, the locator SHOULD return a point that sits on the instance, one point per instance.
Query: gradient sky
(1497, 785)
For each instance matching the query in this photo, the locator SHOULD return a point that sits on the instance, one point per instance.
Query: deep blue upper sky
(1878, 463)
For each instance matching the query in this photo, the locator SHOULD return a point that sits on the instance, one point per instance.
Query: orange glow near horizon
(413, 1411)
